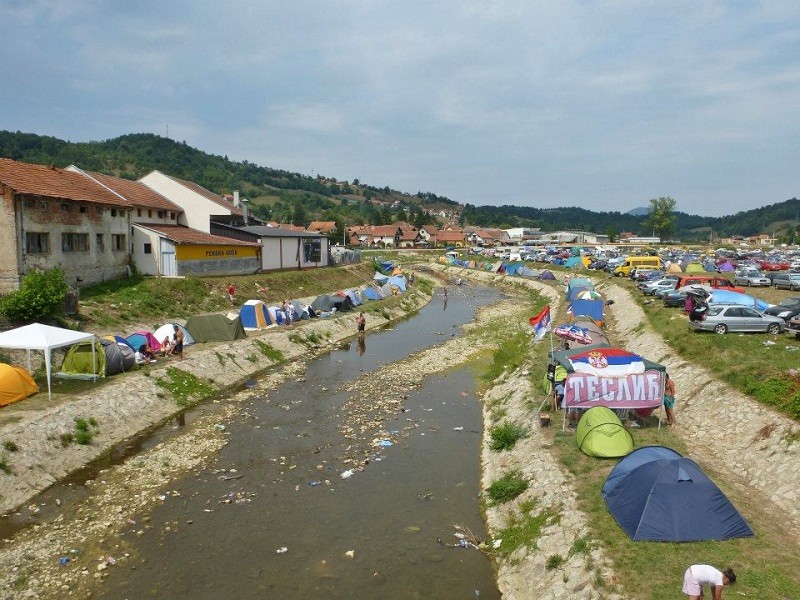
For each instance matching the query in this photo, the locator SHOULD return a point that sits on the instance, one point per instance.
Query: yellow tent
(674, 268)
(15, 384)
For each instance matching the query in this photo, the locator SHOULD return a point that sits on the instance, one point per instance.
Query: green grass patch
(508, 356)
(508, 487)
(10, 446)
(186, 388)
(5, 467)
(505, 435)
(554, 561)
(766, 565)
(524, 528)
(271, 353)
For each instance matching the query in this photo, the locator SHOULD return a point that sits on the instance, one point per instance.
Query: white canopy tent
(44, 338)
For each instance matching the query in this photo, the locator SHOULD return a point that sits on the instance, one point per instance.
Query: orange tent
(15, 384)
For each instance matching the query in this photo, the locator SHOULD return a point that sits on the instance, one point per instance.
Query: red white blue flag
(607, 362)
(541, 323)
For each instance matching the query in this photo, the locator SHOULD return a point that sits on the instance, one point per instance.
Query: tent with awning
(44, 338)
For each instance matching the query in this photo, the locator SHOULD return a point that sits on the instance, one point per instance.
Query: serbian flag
(541, 323)
(607, 362)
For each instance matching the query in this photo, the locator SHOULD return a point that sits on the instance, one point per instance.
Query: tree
(40, 295)
(661, 219)
(611, 232)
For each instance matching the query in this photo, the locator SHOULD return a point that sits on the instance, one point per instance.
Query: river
(321, 495)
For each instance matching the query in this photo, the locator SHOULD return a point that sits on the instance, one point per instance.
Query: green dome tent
(600, 433)
(78, 362)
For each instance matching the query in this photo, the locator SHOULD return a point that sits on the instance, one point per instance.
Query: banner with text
(639, 390)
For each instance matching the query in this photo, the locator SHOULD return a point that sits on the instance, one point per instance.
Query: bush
(40, 295)
(506, 435)
(508, 487)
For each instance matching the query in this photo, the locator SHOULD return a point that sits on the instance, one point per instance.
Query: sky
(603, 105)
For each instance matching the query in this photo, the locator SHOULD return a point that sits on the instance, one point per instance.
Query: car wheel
(774, 328)
(721, 328)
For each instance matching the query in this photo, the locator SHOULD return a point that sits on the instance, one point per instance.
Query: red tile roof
(450, 236)
(322, 226)
(41, 180)
(135, 192)
(185, 235)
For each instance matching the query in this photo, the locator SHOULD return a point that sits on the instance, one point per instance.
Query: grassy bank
(115, 306)
(766, 565)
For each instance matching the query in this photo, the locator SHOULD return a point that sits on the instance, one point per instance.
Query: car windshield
(790, 303)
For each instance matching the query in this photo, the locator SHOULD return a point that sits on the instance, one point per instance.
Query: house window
(74, 242)
(113, 212)
(42, 205)
(117, 242)
(28, 203)
(161, 214)
(138, 212)
(65, 207)
(82, 209)
(100, 244)
(148, 248)
(171, 216)
(150, 213)
(37, 243)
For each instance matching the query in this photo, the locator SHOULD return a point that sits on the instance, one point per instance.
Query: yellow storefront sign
(208, 251)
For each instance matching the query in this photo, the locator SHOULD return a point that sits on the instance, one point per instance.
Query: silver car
(751, 277)
(722, 318)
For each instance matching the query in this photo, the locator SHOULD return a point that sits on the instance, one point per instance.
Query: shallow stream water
(275, 518)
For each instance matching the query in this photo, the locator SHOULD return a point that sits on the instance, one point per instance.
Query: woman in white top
(697, 576)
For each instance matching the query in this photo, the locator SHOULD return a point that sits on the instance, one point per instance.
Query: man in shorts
(697, 576)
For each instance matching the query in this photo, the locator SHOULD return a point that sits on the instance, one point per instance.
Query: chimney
(236, 198)
(245, 215)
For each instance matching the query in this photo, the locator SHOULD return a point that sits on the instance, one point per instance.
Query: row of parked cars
(722, 318)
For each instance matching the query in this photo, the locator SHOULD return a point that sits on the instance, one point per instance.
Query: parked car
(674, 298)
(789, 281)
(751, 277)
(769, 265)
(649, 288)
(786, 309)
(722, 318)
(794, 325)
(712, 281)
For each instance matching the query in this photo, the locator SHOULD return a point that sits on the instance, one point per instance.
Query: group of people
(169, 347)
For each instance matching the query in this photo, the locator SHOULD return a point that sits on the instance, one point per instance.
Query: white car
(751, 277)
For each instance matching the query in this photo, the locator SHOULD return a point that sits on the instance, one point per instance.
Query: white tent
(44, 338)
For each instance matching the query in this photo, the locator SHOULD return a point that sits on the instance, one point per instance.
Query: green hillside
(292, 197)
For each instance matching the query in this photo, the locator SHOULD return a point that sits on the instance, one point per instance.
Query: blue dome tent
(656, 494)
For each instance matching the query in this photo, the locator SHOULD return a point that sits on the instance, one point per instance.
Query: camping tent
(215, 328)
(42, 337)
(587, 308)
(600, 433)
(15, 384)
(83, 360)
(674, 268)
(146, 338)
(694, 267)
(254, 315)
(600, 375)
(546, 275)
(371, 293)
(669, 499)
(119, 357)
(168, 331)
(399, 281)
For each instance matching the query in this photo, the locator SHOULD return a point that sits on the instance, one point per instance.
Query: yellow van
(635, 262)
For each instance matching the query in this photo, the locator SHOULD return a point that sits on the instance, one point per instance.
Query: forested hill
(291, 197)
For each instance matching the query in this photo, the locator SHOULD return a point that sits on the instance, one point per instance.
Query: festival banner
(639, 390)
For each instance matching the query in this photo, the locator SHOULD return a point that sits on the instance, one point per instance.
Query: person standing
(231, 293)
(361, 321)
(669, 400)
(178, 337)
(697, 576)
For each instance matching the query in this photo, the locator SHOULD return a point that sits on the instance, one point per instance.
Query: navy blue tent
(656, 494)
